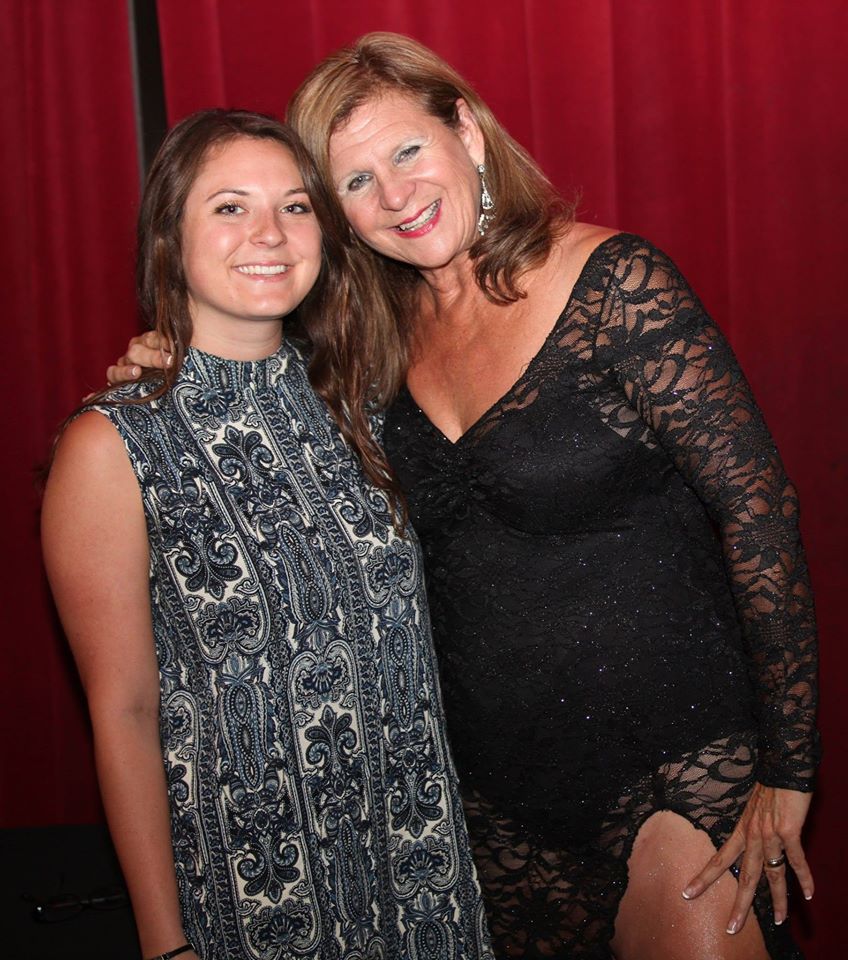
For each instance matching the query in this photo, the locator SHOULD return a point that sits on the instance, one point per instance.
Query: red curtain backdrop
(718, 128)
(70, 189)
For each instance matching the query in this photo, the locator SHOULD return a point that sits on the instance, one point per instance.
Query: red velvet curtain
(718, 128)
(70, 182)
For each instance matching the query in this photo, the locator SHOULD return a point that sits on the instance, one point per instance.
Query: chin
(433, 261)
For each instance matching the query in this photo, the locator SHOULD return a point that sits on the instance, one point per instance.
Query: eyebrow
(246, 193)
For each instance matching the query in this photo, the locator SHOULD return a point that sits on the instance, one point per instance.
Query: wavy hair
(338, 370)
(530, 213)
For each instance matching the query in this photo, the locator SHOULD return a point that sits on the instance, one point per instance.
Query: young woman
(240, 603)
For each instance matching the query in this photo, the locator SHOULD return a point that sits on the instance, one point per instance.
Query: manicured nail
(688, 893)
(169, 359)
(732, 926)
(778, 919)
(808, 896)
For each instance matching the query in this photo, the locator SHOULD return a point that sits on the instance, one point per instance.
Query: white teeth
(428, 214)
(258, 269)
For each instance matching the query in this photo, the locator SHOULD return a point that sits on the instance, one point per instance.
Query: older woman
(618, 590)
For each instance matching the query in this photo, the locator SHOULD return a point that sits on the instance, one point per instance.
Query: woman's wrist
(183, 948)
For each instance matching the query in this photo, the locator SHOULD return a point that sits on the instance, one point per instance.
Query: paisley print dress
(620, 602)
(314, 803)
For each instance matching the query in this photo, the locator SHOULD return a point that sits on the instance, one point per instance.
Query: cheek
(310, 250)
(470, 181)
(359, 217)
(192, 270)
(314, 266)
(200, 251)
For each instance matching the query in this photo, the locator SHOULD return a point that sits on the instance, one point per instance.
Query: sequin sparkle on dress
(620, 601)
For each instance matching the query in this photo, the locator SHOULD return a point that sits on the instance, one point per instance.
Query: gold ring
(777, 861)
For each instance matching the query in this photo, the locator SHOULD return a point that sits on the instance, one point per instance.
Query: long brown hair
(339, 369)
(529, 211)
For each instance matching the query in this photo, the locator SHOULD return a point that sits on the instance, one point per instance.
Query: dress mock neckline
(238, 374)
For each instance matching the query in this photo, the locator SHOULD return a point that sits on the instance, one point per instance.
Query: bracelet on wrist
(173, 953)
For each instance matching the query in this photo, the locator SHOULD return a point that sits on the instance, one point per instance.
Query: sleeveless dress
(314, 805)
(620, 602)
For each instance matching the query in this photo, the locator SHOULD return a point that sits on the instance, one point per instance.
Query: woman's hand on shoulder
(767, 837)
(147, 350)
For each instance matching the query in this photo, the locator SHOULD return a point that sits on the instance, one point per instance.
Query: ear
(469, 132)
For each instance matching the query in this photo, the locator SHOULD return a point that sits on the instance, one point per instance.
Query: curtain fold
(70, 180)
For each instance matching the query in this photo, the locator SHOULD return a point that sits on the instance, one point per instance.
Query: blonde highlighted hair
(529, 213)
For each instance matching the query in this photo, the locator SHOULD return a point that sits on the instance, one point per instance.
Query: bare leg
(654, 921)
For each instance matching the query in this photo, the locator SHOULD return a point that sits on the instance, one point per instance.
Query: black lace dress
(620, 602)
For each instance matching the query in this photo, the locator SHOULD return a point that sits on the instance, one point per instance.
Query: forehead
(389, 114)
(247, 158)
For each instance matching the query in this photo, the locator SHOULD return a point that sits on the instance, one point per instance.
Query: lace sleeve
(680, 374)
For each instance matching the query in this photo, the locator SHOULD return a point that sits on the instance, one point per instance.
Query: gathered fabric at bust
(620, 602)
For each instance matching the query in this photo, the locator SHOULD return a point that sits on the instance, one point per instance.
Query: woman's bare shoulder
(90, 455)
(578, 244)
(91, 434)
(569, 254)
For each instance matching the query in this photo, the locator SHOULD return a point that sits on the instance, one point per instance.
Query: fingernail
(778, 919)
(169, 359)
(688, 893)
(136, 371)
(808, 896)
(732, 926)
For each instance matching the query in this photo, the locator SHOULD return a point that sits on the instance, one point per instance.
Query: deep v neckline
(531, 364)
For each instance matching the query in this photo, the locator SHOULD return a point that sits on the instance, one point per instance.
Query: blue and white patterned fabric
(313, 799)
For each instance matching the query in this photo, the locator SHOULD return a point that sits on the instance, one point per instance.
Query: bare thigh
(654, 922)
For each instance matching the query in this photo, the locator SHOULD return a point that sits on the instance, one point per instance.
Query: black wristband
(173, 953)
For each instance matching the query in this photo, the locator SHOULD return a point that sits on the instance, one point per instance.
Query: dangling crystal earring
(486, 202)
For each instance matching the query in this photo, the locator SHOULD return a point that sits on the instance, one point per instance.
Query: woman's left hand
(769, 830)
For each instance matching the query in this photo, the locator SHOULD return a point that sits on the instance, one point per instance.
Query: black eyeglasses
(57, 909)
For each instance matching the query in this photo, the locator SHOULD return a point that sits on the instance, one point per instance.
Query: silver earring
(486, 202)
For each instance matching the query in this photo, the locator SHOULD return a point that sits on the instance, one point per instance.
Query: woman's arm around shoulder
(148, 349)
(96, 553)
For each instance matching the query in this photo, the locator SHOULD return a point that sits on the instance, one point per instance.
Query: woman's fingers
(798, 862)
(780, 856)
(767, 839)
(750, 870)
(716, 866)
(790, 813)
(746, 842)
(774, 866)
(142, 355)
(147, 350)
(122, 372)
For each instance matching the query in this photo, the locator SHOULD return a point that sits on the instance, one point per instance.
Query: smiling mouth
(421, 220)
(263, 269)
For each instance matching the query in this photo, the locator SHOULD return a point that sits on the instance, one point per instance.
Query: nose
(268, 229)
(395, 190)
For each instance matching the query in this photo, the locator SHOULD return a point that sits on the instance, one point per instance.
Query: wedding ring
(776, 861)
